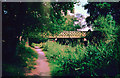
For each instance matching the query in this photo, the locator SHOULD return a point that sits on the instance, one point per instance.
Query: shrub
(26, 56)
(37, 37)
(12, 70)
(36, 45)
(106, 25)
(45, 46)
(89, 60)
(80, 60)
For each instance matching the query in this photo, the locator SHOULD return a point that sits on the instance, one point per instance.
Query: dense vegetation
(25, 60)
(101, 58)
(34, 21)
(25, 20)
(82, 61)
(103, 8)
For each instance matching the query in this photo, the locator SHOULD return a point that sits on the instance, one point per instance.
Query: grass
(38, 45)
(12, 70)
(80, 60)
(25, 58)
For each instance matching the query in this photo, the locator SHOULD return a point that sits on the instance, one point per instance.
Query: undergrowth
(99, 58)
(25, 59)
(81, 60)
(26, 56)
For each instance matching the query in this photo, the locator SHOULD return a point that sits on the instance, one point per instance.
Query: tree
(50, 18)
(12, 25)
(22, 18)
(107, 26)
(103, 8)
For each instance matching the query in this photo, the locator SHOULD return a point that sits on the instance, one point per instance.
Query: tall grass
(99, 59)
(80, 60)
(26, 56)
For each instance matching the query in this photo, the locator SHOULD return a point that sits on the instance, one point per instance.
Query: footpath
(42, 66)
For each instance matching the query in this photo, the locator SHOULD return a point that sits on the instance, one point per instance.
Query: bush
(93, 60)
(106, 25)
(81, 60)
(45, 46)
(26, 56)
(12, 70)
(36, 45)
(37, 37)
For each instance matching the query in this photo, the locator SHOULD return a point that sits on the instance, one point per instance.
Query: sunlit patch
(14, 15)
(3, 40)
(41, 53)
(5, 12)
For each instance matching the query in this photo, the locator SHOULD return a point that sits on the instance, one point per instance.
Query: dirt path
(42, 67)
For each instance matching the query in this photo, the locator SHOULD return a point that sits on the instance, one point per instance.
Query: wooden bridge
(69, 37)
(65, 37)
(69, 34)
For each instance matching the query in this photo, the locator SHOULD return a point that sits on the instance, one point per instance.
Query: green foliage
(107, 26)
(45, 46)
(56, 55)
(38, 37)
(106, 29)
(103, 8)
(36, 45)
(65, 60)
(13, 70)
(80, 60)
(48, 16)
(104, 5)
(58, 6)
(26, 56)
(76, 27)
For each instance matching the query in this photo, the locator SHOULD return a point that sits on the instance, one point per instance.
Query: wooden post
(85, 41)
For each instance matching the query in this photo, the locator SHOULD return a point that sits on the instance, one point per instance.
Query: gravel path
(42, 67)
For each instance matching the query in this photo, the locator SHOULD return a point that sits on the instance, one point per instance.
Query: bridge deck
(69, 34)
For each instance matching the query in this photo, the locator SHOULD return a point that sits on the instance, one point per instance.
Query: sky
(80, 8)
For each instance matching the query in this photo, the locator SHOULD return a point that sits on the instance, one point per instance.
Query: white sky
(80, 9)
